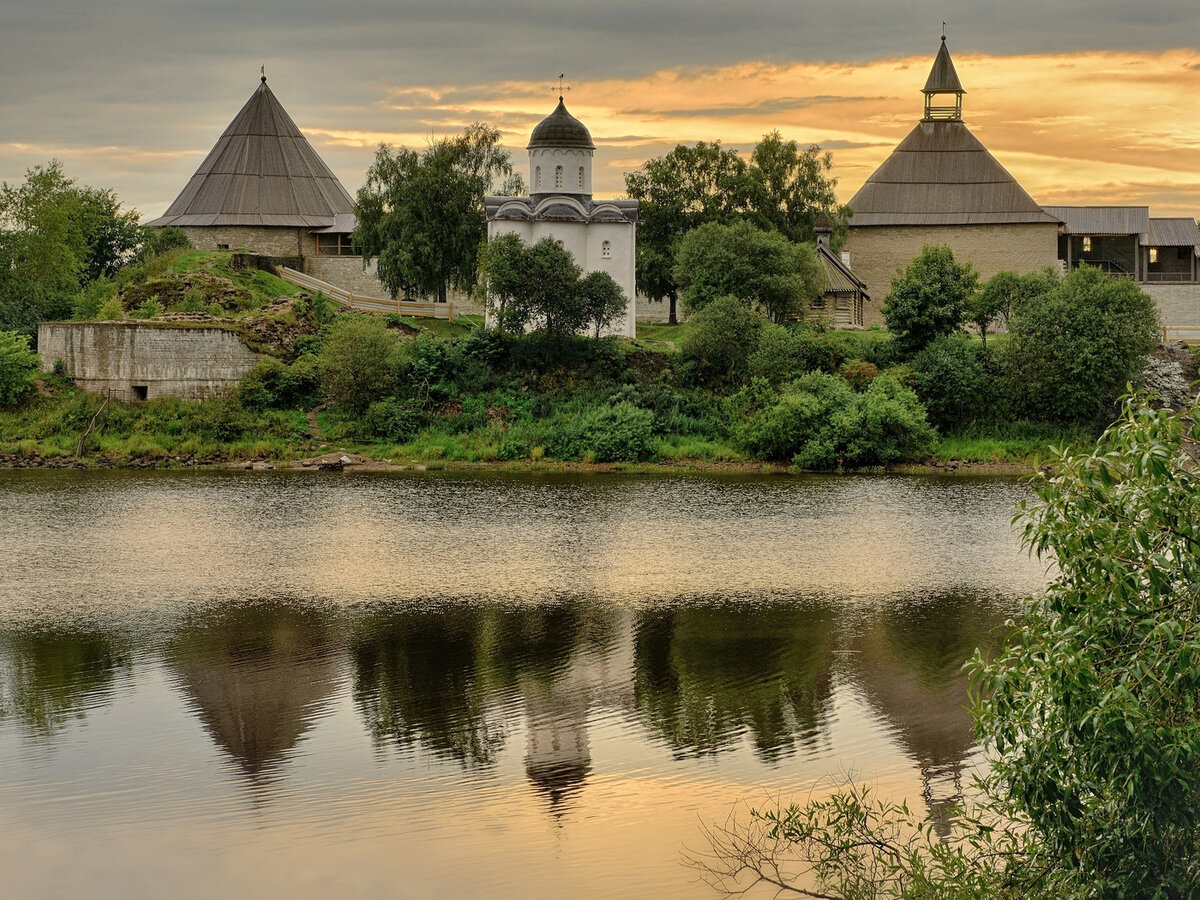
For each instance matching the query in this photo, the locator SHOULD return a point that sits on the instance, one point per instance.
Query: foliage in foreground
(18, 368)
(1091, 715)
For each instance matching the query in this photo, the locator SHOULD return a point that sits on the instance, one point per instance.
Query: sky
(1094, 103)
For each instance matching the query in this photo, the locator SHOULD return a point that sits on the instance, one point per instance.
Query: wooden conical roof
(941, 174)
(943, 78)
(262, 171)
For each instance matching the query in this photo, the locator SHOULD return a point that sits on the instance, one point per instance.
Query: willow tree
(420, 215)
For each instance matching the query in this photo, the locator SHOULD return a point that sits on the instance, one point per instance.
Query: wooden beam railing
(367, 304)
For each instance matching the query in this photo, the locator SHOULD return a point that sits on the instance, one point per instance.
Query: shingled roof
(262, 172)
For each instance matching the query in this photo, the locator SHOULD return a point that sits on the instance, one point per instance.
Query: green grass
(441, 327)
(660, 332)
(1020, 442)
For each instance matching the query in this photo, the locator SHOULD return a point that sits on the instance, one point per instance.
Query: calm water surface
(438, 686)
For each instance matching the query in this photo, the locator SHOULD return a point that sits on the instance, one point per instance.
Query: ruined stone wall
(877, 253)
(141, 360)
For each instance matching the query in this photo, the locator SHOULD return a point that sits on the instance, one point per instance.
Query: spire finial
(943, 31)
(263, 69)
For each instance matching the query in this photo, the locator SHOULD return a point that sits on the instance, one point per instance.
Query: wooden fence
(367, 304)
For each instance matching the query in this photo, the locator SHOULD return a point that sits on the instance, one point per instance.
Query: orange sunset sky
(1085, 103)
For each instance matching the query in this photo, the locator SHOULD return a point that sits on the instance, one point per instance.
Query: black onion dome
(560, 129)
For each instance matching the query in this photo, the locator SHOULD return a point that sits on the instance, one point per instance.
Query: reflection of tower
(256, 677)
(558, 758)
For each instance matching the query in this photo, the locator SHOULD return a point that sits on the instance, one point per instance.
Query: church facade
(599, 234)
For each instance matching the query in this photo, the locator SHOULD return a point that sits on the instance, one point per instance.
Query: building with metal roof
(941, 185)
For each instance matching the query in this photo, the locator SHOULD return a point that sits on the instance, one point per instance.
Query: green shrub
(89, 301)
(956, 380)
(358, 362)
(149, 309)
(259, 389)
(111, 309)
(393, 419)
(819, 422)
(724, 336)
(859, 373)
(18, 368)
(620, 433)
(1073, 349)
(784, 354)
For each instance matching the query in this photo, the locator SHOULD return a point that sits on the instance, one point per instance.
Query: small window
(140, 391)
(818, 303)
(222, 246)
(558, 177)
(1087, 244)
(843, 302)
(537, 177)
(561, 244)
(606, 250)
(1153, 255)
(581, 177)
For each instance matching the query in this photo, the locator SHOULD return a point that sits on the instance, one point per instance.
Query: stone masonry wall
(166, 361)
(877, 253)
(264, 240)
(1178, 304)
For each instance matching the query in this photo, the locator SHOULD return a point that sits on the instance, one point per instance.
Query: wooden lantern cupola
(943, 80)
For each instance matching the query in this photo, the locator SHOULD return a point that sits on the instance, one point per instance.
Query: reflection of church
(558, 758)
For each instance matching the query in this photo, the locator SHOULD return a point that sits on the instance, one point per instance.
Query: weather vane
(943, 31)
(561, 76)
(263, 70)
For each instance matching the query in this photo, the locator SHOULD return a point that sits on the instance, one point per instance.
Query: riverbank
(346, 461)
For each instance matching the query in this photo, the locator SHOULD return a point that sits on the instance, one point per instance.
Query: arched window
(558, 177)
(581, 177)
(560, 243)
(537, 177)
(606, 250)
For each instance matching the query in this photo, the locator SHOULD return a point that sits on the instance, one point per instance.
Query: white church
(598, 233)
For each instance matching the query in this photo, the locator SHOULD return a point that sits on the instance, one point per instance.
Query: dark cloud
(168, 75)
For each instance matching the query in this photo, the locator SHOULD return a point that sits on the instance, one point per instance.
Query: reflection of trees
(432, 677)
(256, 676)
(48, 678)
(910, 667)
(705, 673)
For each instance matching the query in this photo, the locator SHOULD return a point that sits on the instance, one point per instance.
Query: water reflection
(536, 674)
(49, 678)
(256, 676)
(706, 672)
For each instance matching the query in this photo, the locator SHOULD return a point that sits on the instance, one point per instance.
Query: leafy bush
(1073, 349)
(928, 300)
(956, 380)
(393, 419)
(259, 389)
(18, 368)
(620, 433)
(724, 335)
(149, 309)
(819, 422)
(89, 301)
(784, 354)
(358, 362)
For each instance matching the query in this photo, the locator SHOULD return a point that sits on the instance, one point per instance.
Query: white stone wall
(167, 361)
(571, 159)
(585, 242)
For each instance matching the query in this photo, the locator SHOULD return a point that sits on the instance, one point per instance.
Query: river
(434, 685)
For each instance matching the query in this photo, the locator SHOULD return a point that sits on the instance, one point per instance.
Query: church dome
(560, 129)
